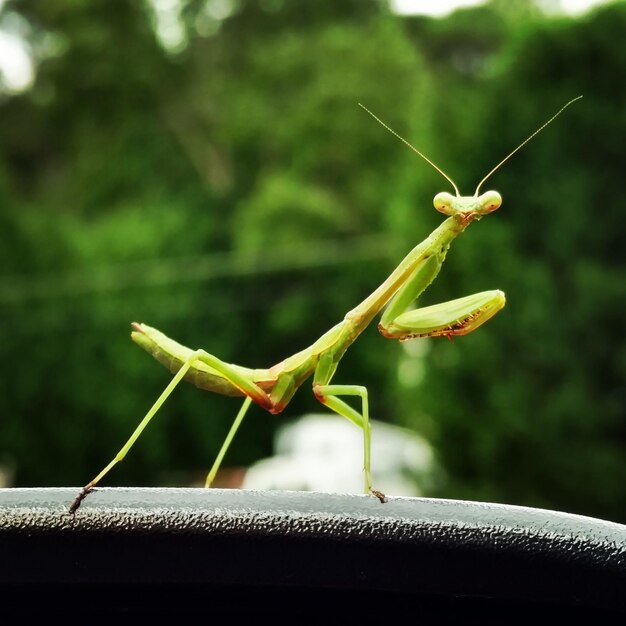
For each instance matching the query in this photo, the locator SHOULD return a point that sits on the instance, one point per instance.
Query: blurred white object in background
(7, 472)
(325, 453)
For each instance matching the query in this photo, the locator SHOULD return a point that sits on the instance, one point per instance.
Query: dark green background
(231, 193)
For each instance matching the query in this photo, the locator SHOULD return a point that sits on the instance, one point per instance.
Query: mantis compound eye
(443, 203)
(489, 201)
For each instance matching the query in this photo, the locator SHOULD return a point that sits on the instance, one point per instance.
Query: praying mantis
(272, 388)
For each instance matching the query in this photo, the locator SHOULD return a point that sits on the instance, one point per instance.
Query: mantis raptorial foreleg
(274, 387)
(448, 319)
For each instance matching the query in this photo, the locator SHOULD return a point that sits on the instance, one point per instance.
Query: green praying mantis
(272, 388)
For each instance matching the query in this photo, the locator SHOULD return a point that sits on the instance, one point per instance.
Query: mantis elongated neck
(436, 243)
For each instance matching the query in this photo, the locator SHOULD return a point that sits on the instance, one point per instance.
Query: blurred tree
(140, 170)
(217, 180)
(537, 407)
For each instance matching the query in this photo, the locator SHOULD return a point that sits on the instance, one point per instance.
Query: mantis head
(469, 207)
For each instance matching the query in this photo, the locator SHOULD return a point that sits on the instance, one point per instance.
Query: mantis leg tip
(82, 494)
(380, 495)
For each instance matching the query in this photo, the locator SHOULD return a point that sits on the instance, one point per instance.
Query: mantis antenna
(506, 158)
(403, 140)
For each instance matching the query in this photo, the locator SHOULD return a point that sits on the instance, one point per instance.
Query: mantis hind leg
(229, 438)
(246, 386)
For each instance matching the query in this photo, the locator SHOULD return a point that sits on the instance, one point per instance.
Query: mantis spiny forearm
(273, 388)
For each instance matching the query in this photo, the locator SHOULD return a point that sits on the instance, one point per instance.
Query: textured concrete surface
(267, 547)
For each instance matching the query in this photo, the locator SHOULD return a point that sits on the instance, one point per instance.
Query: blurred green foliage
(227, 190)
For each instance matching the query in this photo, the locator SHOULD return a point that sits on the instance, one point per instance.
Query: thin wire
(525, 142)
(403, 140)
(17, 289)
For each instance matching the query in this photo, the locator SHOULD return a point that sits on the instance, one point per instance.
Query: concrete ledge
(245, 553)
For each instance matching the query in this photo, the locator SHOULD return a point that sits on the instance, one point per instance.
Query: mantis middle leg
(328, 394)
